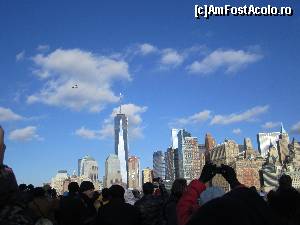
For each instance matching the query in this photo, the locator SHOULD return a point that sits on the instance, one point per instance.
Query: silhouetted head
(8, 184)
(38, 192)
(87, 188)
(178, 187)
(30, 187)
(73, 187)
(116, 191)
(148, 188)
(105, 194)
(22, 187)
(285, 181)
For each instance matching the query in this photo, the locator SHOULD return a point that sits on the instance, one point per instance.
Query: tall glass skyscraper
(121, 146)
(159, 169)
(179, 168)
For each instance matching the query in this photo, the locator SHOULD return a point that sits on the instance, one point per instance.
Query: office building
(159, 169)
(112, 171)
(134, 177)
(147, 175)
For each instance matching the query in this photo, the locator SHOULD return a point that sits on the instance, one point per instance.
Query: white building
(265, 140)
(57, 182)
(112, 171)
(88, 167)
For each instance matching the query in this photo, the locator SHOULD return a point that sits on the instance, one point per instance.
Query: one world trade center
(121, 146)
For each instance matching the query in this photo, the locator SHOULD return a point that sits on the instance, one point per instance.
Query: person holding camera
(241, 205)
(188, 204)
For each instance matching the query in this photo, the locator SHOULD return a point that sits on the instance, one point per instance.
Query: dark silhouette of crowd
(195, 203)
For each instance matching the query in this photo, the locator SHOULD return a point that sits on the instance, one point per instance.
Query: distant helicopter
(75, 86)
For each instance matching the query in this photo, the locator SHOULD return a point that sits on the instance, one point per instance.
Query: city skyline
(62, 74)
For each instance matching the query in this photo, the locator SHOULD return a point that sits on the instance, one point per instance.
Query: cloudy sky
(230, 76)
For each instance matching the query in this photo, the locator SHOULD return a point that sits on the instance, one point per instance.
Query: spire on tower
(121, 96)
(282, 130)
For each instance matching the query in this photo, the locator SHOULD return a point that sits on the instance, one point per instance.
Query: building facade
(159, 165)
(264, 140)
(209, 144)
(193, 160)
(225, 153)
(134, 177)
(121, 144)
(170, 164)
(147, 175)
(58, 181)
(179, 154)
(112, 171)
(88, 167)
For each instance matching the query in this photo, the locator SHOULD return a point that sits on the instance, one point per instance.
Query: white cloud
(270, 125)
(249, 115)
(296, 128)
(7, 114)
(231, 60)
(171, 57)
(146, 49)
(43, 48)
(24, 134)
(93, 74)
(86, 133)
(135, 128)
(196, 118)
(237, 131)
(20, 56)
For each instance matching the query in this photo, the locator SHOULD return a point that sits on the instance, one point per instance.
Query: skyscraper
(121, 145)
(159, 168)
(193, 160)
(179, 154)
(174, 138)
(88, 167)
(170, 164)
(134, 176)
(112, 171)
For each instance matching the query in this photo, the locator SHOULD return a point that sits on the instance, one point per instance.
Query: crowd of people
(196, 203)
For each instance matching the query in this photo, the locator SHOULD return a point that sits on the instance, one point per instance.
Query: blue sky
(230, 76)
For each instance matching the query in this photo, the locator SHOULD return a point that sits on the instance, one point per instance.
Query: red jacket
(188, 202)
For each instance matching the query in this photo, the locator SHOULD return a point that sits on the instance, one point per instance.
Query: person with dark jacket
(12, 208)
(150, 206)
(285, 201)
(88, 210)
(241, 205)
(178, 187)
(41, 206)
(70, 206)
(116, 211)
